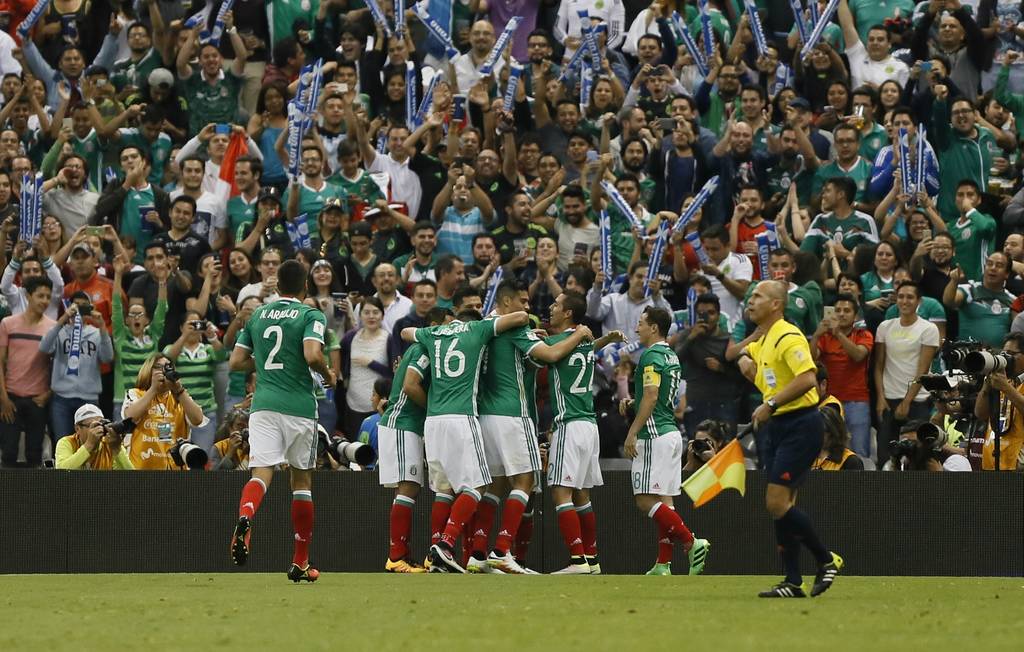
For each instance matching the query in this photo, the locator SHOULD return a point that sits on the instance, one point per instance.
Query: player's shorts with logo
(510, 445)
(401, 457)
(276, 438)
(573, 459)
(658, 466)
(455, 452)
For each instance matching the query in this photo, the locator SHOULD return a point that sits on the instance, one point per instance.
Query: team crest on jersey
(800, 303)
(318, 328)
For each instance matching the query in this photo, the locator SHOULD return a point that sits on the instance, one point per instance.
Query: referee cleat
(783, 590)
(660, 569)
(442, 561)
(595, 568)
(507, 564)
(826, 574)
(481, 567)
(240, 541)
(307, 574)
(698, 555)
(403, 566)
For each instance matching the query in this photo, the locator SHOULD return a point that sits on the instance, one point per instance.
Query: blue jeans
(858, 422)
(720, 410)
(204, 435)
(62, 415)
(328, 414)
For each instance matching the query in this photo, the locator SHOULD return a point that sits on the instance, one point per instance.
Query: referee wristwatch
(772, 405)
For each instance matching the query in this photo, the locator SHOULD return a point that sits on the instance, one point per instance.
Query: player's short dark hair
(575, 303)
(291, 277)
(32, 284)
(845, 185)
(659, 318)
(867, 92)
(847, 127)
(750, 186)
(507, 288)
(460, 295)
(437, 315)
(347, 148)
(155, 244)
(193, 159)
(903, 110)
(469, 315)
(782, 251)
(1017, 338)
(486, 235)
(717, 429)
(426, 282)
(756, 88)
(635, 265)
(849, 298)
(423, 225)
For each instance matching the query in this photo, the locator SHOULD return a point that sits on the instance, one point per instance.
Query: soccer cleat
(660, 569)
(826, 574)
(240, 541)
(403, 566)
(783, 590)
(307, 574)
(595, 568)
(481, 567)
(574, 569)
(426, 562)
(698, 555)
(508, 565)
(442, 561)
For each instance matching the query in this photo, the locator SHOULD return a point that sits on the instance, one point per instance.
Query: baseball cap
(87, 411)
(161, 77)
(81, 246)
(333, 204)
(361, 228)
(800, 103)
(269, 192)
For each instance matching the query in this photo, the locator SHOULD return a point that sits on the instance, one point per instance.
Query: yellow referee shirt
(782, 355)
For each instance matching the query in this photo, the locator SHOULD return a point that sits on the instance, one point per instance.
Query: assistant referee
(779, 363)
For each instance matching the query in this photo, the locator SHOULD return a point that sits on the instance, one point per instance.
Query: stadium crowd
(428, 173)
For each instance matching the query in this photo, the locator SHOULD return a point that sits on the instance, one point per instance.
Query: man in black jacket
(134, 207)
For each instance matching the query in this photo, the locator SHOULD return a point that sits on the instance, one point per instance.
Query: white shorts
(401, 457)
(658, 465)
(455, 452)
(573, 456)
(276, 438)
(510, 445)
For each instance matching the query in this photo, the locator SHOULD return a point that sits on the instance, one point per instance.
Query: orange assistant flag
(723, 471)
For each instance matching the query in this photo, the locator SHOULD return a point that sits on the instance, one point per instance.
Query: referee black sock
(800, 527)
(789, 548)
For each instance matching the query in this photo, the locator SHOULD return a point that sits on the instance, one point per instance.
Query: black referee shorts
(793, 443)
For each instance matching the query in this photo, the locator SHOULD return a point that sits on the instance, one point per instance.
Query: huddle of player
(463, 401)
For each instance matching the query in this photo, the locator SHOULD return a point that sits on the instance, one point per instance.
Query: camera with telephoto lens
(343, 451)
(170, 373)
(914, 454)
(185, 453)
(120, 429)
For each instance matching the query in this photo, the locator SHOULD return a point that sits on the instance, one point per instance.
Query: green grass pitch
(491, 613)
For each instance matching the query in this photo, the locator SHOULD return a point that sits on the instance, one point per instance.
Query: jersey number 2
(278, 335)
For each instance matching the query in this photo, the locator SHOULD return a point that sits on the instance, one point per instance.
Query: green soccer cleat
(826, 574)
(660, 569)
(698, 555)
(784, 590)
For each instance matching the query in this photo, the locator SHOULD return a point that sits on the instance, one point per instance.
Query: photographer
(163, 412)
(708, 438)
(231, 452)
(922, 447)
(712, 383)
(1009, 392)
(94, 445)
(835, 452)
(78, 342)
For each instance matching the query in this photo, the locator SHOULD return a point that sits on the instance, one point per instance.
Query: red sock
(302, 523)
(252, 496)
(674, 527)
(439, 516)
(588, 528)
(523, 537)
(511, 517)
(664, 546)
(569, 524)
(483, 521)
(462, 510)
(401, 525)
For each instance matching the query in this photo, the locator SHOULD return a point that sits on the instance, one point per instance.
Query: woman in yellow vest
(835, 452)
(163, 412)
(90, 447)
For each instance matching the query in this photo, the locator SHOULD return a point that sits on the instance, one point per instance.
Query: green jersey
(874, 285)
(311, 201)
(402, 413)
(571, 377)
(455, 352)
(659, 366)
(135, 73)
(508, 378)
(860, 172)
(275, 335)
(284, 13)
(985, 315)
(131, 219)
(855, 229)
(91, 150)
(216, 102)
(196, 368)
(130, 352)
(974, 236)
(240, 212)
(872, 142)
(363, 188)
(158, 150)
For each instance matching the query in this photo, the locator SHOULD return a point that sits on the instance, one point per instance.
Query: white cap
(87, 411)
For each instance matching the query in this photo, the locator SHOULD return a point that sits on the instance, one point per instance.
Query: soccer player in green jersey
(451, 430)
(283, 341)
(573, 466)
(654, 443)
(400, 442)
(508, 419)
